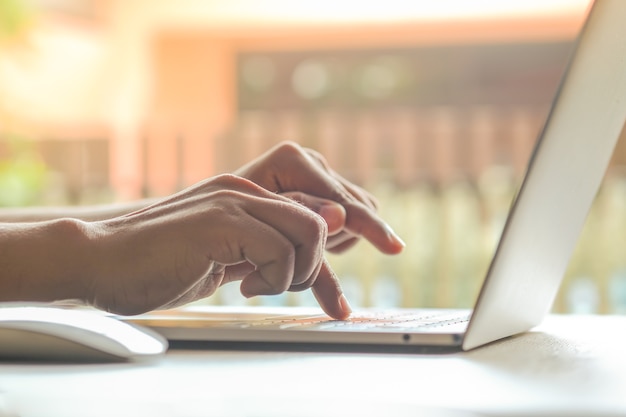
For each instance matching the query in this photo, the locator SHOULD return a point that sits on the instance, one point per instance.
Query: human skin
(266, 225)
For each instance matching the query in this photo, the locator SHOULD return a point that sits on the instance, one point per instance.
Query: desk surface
(570, 365)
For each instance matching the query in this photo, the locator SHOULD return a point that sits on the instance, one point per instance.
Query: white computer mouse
(44, 333)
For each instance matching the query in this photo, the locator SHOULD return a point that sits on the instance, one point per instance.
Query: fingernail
(345, 305)
(394, 237)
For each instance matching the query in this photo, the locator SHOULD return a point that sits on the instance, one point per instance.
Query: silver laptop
(542, 229)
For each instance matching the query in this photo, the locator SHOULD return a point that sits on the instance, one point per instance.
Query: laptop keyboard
(364, 321)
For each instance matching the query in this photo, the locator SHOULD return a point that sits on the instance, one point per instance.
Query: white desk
(567, 366)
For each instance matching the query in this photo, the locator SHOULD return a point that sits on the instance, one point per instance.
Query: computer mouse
(46, 333)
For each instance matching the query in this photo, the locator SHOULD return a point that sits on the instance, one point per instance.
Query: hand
(225, 229)
(303, 175)
(220, 230)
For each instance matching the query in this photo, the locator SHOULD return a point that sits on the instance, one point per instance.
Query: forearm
(44, 261)
(86, 213)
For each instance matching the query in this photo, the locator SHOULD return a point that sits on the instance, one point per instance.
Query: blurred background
(432, 106)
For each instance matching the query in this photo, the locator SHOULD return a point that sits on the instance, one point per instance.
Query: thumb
(333, 213)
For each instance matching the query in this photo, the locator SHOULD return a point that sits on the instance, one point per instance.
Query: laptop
(564, 173)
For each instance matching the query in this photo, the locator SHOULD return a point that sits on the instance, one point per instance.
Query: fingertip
(334, 214)
(386, 240)
(345, 306)
(396, 242)
(328, 293)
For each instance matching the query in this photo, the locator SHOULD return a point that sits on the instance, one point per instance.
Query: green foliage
(22, 173)
(14, 17)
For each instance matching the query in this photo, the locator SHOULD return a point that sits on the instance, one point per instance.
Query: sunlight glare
(355, 10)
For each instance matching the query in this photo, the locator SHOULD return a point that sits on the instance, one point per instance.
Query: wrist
(75, 251)
(46, 261)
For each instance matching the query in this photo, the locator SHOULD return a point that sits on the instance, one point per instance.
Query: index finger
(310, 174)
(329, 295)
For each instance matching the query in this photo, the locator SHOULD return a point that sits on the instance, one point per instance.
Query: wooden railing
(445, 178)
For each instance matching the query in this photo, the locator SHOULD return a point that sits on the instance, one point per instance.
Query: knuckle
(227, 194)
(315, 228)
(290, 149)
(231, 181)
(226, 204)
(318, 157)
(228, 200)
